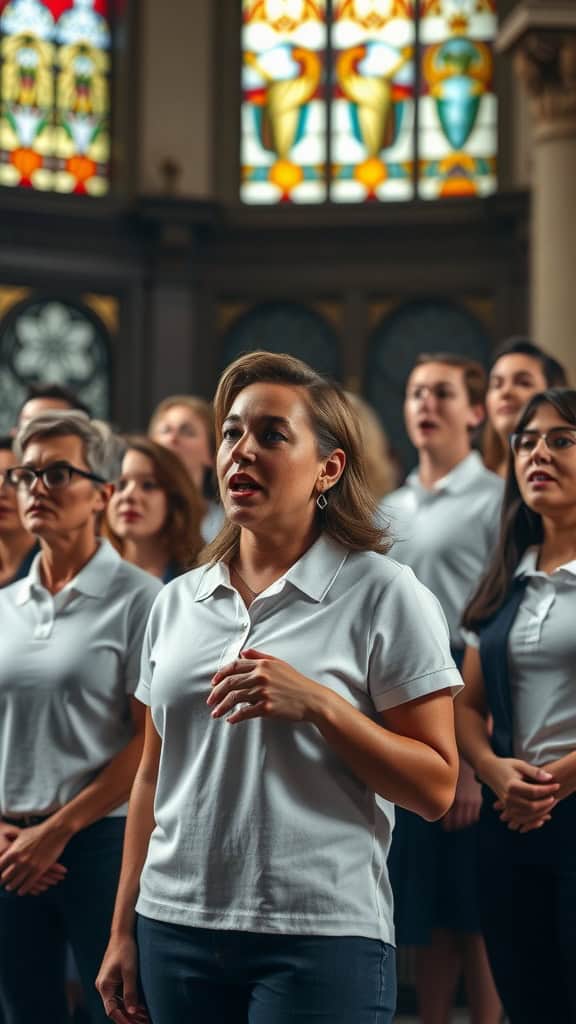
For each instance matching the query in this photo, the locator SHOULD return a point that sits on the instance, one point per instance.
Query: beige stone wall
(176, 98)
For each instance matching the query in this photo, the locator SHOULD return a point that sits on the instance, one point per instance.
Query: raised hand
(257, 685)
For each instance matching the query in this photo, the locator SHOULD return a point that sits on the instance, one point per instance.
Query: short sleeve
(470, 638)
(138, 617)
(410, 645)
(142, 691)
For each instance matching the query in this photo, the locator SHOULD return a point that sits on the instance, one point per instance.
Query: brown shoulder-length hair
(520, 526)
(493, 449)
(351, 514)
(181, 537)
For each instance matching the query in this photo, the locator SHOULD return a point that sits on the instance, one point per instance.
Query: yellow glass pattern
(372, 114)
(55, 95)
(283, 147)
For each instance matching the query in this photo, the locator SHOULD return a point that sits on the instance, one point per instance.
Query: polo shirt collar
(458, 479)
(92, 580)
(312, 574)
(528, 562)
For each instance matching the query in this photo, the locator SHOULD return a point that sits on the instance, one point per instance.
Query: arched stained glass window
(56, 341)
(284, 327)
(425, 325)
(353, 101)
(55, 95)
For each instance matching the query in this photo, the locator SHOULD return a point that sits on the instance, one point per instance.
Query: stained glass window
(55, 95)
(354, 101)
(457, 106)
(283, 108)
(55, 341)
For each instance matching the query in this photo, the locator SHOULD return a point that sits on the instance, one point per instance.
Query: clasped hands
(29, 858)
(527, 795)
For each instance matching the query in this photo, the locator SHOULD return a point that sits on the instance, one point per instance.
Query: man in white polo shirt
(445, 521)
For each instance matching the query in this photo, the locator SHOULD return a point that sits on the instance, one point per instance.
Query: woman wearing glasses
(70, 730)
(519, 669)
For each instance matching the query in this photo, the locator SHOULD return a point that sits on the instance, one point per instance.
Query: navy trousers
(34, 931)
(528, 914)
(201, 976)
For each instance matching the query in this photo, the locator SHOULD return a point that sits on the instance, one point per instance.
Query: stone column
(541, 36)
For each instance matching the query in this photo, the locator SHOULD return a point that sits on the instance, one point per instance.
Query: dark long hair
(554, 374)
(520, 526)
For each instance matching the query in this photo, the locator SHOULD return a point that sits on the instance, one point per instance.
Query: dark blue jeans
(199, 976)
(34, 931)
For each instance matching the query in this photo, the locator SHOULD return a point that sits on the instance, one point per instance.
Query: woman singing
(298, 685)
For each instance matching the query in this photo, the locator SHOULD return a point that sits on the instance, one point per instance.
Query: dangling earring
(322, 501)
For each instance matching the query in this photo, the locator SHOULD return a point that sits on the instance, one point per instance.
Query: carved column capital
(541, 36)
(545, 62)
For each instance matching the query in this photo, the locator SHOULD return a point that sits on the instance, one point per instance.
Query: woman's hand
(117, 982)
(465, 810)
(526, 795)
(29, 860)
(564, 773)
(261, 686)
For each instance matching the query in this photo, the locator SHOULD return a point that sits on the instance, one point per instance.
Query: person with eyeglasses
(516, 720)
(71, 732)
(445, 523)
(17, 546)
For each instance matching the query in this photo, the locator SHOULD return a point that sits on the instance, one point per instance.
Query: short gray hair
(95, 436)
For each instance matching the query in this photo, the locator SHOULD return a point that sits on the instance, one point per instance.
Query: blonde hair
(351, 514)
(199, 406)
(381, 473)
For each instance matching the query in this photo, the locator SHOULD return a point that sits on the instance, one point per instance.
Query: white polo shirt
(542, 659)
(69, 662)
(260, 826)
(447, 535)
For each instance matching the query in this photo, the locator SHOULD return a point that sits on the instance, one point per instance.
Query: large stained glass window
(55, 95)
(353, 101)
(284, 108)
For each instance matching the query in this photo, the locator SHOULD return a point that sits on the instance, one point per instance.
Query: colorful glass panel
(283, 149)
(55, 95)
(457, 135)
(51, 340)
(373, 100)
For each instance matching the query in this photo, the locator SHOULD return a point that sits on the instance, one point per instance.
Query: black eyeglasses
(54, 477)
(4, 481)
(557, 440)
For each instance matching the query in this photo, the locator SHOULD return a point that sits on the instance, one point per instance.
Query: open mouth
(427, 425)
(540, 477)
(241, 483)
